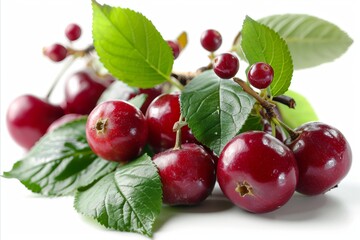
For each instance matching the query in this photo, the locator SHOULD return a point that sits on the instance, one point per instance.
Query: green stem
(269, 108)
(265, 104)
(177, 127)
(58, 77)
(176, 83)
(293, 134)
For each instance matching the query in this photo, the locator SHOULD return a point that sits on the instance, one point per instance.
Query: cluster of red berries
(58, 52)
(29, 117)
(259, 172)
(256, 171)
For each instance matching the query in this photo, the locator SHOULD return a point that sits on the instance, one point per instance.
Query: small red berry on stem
(226, 65)
(56, 52)
(211, 40)
(260, 75)
(73, 32)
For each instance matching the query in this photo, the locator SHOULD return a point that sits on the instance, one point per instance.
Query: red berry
(175, 48)
(82, 91)
(187, 174)
(116, 131)
(56, 52)
(28, 118)
(161, 116)
(73, 32)
(260, 75)
(211, 40)
(63, 120)
(323, 157)
(226, 65)
(257, 172)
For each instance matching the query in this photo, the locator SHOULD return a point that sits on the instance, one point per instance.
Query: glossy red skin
(63, 120)
(56, 52)
(187, 174)
(323, 157)
(260, 75)
(226, 65)
(151, 93)
(161, 116)
(263, 162)
(175, 48)
(125, 134)
(28, 118)
(73, 32)
(211, 40)
(82, 91)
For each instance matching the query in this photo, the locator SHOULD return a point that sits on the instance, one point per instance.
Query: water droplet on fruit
(298, 145)
(281, 179)
(133, 131)
(330, 164)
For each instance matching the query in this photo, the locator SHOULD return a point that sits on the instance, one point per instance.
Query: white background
(29, 25)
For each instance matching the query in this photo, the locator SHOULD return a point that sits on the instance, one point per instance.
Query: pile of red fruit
(255, 170)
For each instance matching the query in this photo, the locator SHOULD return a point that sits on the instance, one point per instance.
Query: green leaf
(120, 91)
(253, 122)
(302, 113)
(128, 199)
(138, 100)
(60, 162)
(261, 44)
(130, 47)
(117, 90)
(311, 40)
(215, 109)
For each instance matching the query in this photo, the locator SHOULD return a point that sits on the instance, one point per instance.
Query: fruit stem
(59, 75)
(269, 107)
(293, 134)
(80, 53)
(286, 100)
(183, 78)
(176, 83)
(177, 127)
